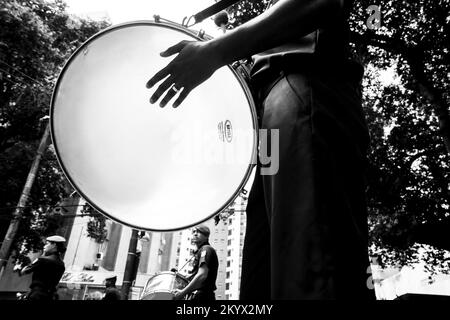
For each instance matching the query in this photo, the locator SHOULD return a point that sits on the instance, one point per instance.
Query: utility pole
(5, 249)
(131, 265)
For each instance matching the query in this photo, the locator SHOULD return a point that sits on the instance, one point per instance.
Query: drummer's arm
(29, 268)
(197, 281)
(285, 21)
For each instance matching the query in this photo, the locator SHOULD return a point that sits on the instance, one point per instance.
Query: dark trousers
(306, 234)
(41, 294)
(203, 296)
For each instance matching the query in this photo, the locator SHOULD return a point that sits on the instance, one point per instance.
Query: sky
(119, 11)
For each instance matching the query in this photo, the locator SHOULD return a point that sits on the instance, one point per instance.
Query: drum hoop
(145, 293)
(153, 291)
(180, 28)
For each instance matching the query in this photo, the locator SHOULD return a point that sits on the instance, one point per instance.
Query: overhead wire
(22, 73)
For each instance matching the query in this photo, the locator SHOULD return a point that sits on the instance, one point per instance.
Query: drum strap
(212, 10)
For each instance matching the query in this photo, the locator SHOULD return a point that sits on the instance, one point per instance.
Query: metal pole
(129, 274)
(5, 249)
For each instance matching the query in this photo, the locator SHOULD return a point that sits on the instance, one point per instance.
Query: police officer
(111, 292)
(47, 270)
(203, 283)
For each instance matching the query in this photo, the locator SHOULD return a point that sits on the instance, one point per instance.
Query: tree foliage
(96, 226)
(408, 117)
(36, 39)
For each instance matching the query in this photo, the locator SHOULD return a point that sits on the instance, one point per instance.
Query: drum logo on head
(225, 131)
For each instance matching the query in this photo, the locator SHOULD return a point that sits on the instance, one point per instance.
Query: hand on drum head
(196, 62)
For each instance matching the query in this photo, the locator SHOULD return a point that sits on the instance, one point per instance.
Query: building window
(229, 232)
(228, 275)
(229, 253)
(228, 263)
(229, 241)
(227, 287)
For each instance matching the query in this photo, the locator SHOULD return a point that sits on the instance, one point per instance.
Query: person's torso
(112, 294)
(325, 46)
(212, 263)
(47, 273)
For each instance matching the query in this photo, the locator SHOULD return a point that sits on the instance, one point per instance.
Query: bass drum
(151, 168)
(162, 285)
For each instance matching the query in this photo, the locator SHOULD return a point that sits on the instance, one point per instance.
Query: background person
(47, 270)
(203, 281)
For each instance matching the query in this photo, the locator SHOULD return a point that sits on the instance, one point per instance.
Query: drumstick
(185, 264)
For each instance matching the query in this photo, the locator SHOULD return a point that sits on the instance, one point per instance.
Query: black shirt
(112, 294)
(47, 272)
(324, 47)
(206, 254)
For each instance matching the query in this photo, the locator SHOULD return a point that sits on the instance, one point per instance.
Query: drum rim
(192, 33)
(175, 274)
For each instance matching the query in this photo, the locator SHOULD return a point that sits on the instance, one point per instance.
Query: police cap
(111, 278)
(203, 230)
(56, 239)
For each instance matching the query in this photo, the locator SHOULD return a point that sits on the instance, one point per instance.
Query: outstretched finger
(181, 97)
(170, 94)
(174, 49)
(161, 89)
(161, 74)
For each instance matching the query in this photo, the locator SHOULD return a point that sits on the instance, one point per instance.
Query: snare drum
(161, 286)
(150, 168)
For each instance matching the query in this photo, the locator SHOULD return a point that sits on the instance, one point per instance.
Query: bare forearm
(285, 21)
(195, 284)
(26, 270)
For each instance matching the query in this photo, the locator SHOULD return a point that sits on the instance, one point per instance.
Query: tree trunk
(5, 249)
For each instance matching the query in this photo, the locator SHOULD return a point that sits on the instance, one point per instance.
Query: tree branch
(415, 58)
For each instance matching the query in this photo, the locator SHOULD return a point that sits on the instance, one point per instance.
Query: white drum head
(148, 167)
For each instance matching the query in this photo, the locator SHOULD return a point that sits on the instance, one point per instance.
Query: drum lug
(201, 34)
(235, 65)
(157, 18)
(242, 69)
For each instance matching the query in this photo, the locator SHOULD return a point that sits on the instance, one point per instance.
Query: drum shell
(162, 285)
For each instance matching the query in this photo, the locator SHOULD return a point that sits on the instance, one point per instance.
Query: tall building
(235, 244)
(218, 239)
